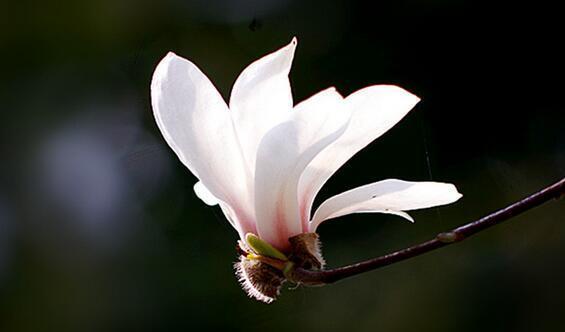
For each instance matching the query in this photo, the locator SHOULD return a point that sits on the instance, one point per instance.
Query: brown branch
(458, 234)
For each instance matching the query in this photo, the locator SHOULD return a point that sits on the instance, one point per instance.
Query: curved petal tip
(294, 41)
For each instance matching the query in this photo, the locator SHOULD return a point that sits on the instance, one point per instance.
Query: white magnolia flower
(263, 159)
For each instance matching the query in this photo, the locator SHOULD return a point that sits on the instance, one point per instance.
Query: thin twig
(458, 234)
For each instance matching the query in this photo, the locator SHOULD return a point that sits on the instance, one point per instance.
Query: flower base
(262, 276)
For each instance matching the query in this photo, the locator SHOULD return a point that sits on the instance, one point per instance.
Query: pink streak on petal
(248, 226)
(305, 207)
(282, 230)
(245, 223)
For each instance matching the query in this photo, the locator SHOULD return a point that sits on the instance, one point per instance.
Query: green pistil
(263, 248)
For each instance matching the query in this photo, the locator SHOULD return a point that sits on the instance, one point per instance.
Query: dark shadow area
(100, 229)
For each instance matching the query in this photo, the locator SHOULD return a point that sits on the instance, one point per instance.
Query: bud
(259, 280)
(262, 269)
(306, 251)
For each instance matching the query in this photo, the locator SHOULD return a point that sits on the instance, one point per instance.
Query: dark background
(99, 226)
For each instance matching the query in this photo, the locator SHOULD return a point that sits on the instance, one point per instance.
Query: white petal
(234, 220)
(387, 196)
(196, 123)
(261, 98)
(375, 110)
(205, 195)
(283, 154)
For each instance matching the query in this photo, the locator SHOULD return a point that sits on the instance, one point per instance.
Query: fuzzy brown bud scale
(262, 277)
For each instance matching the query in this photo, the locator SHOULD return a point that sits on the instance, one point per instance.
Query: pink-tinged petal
(236, 219)
(195, 122)
(374, 110)
(387, 196)
(261, 98)
(283, 154)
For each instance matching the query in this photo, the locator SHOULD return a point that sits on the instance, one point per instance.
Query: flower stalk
(554, 191)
